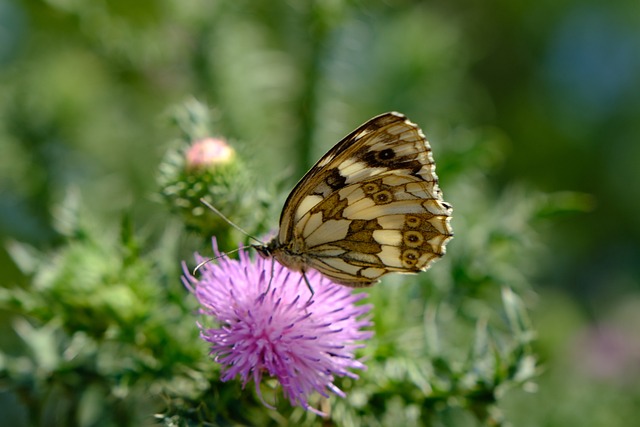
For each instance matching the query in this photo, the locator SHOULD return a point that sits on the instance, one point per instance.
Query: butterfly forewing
(370, 206)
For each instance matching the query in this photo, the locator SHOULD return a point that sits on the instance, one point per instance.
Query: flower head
(269, 325)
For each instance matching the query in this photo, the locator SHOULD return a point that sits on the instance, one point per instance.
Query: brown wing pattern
(390, 223)
(370, 206)
(386, 142)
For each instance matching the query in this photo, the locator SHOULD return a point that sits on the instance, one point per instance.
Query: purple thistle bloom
(276, 329)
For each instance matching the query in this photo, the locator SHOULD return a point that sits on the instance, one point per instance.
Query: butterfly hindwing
(390, 223)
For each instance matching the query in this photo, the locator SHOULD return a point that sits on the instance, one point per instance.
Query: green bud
(209, 169)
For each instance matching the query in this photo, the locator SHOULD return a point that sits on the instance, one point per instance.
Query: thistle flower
(269, 325)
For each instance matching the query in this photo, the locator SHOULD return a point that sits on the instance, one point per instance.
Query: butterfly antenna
(208, 260)
(228, 221)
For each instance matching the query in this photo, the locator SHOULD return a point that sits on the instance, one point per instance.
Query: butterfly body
(369, 207)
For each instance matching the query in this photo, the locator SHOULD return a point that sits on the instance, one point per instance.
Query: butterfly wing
(370, 206)
(387, 223)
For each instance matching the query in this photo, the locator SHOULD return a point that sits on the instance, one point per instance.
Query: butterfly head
(266, 250)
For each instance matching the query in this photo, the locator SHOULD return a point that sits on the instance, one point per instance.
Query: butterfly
(370, 206)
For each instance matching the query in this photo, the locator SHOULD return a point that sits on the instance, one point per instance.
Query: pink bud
(208, 152)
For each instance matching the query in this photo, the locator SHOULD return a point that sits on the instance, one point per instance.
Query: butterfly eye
(370, 188)
(410, 257)
(387, 154)
(382, 158)
(383, 197)
(412, 221)
(413, 238)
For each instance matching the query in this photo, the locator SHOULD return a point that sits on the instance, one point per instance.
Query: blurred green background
(87, 91)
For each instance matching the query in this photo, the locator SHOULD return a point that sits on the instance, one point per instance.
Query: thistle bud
(207, 154)
(209, 169)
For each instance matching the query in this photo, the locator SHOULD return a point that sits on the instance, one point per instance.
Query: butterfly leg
(273, 269)
(306, 280)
